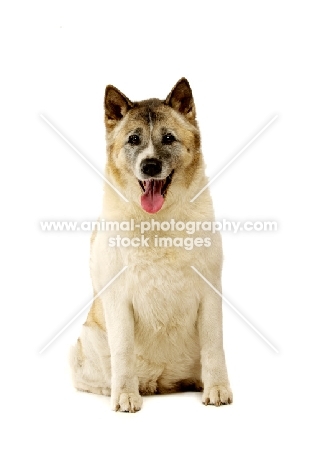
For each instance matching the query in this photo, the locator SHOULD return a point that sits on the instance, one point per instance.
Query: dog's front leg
(217, 389)
(120, 330)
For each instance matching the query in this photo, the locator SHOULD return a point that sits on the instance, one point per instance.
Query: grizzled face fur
(154, 143)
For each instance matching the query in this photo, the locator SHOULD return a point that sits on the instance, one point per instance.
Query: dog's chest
(163, 299)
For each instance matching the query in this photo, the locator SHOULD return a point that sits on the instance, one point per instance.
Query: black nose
(151, 166)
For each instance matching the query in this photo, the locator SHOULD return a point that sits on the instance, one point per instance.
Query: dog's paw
(217, 395)
(127, 402)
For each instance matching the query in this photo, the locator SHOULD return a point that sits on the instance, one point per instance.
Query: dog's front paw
(217, 395)
(127, 402)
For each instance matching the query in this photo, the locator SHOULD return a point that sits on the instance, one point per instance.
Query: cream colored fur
(159, 325)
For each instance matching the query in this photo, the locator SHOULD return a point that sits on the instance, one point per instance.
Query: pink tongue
(152, 200)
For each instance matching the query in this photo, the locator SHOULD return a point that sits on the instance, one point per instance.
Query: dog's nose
(151, 166)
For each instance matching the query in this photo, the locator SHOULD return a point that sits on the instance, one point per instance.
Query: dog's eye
(168, 139)
(134, 139)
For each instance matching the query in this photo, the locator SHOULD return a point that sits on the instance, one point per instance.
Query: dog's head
(152, 145)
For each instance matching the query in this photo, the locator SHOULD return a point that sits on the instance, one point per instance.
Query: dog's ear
(181, 99)
(116, 106)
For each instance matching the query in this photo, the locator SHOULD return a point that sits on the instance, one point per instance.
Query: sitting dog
(156, 327)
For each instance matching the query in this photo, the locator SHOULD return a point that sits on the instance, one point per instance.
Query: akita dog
(157, 328)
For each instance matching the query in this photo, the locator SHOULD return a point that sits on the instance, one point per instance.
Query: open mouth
(154, 192)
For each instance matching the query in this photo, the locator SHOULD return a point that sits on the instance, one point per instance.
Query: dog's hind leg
(90, 358)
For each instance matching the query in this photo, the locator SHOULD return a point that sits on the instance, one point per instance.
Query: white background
(246, 62)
